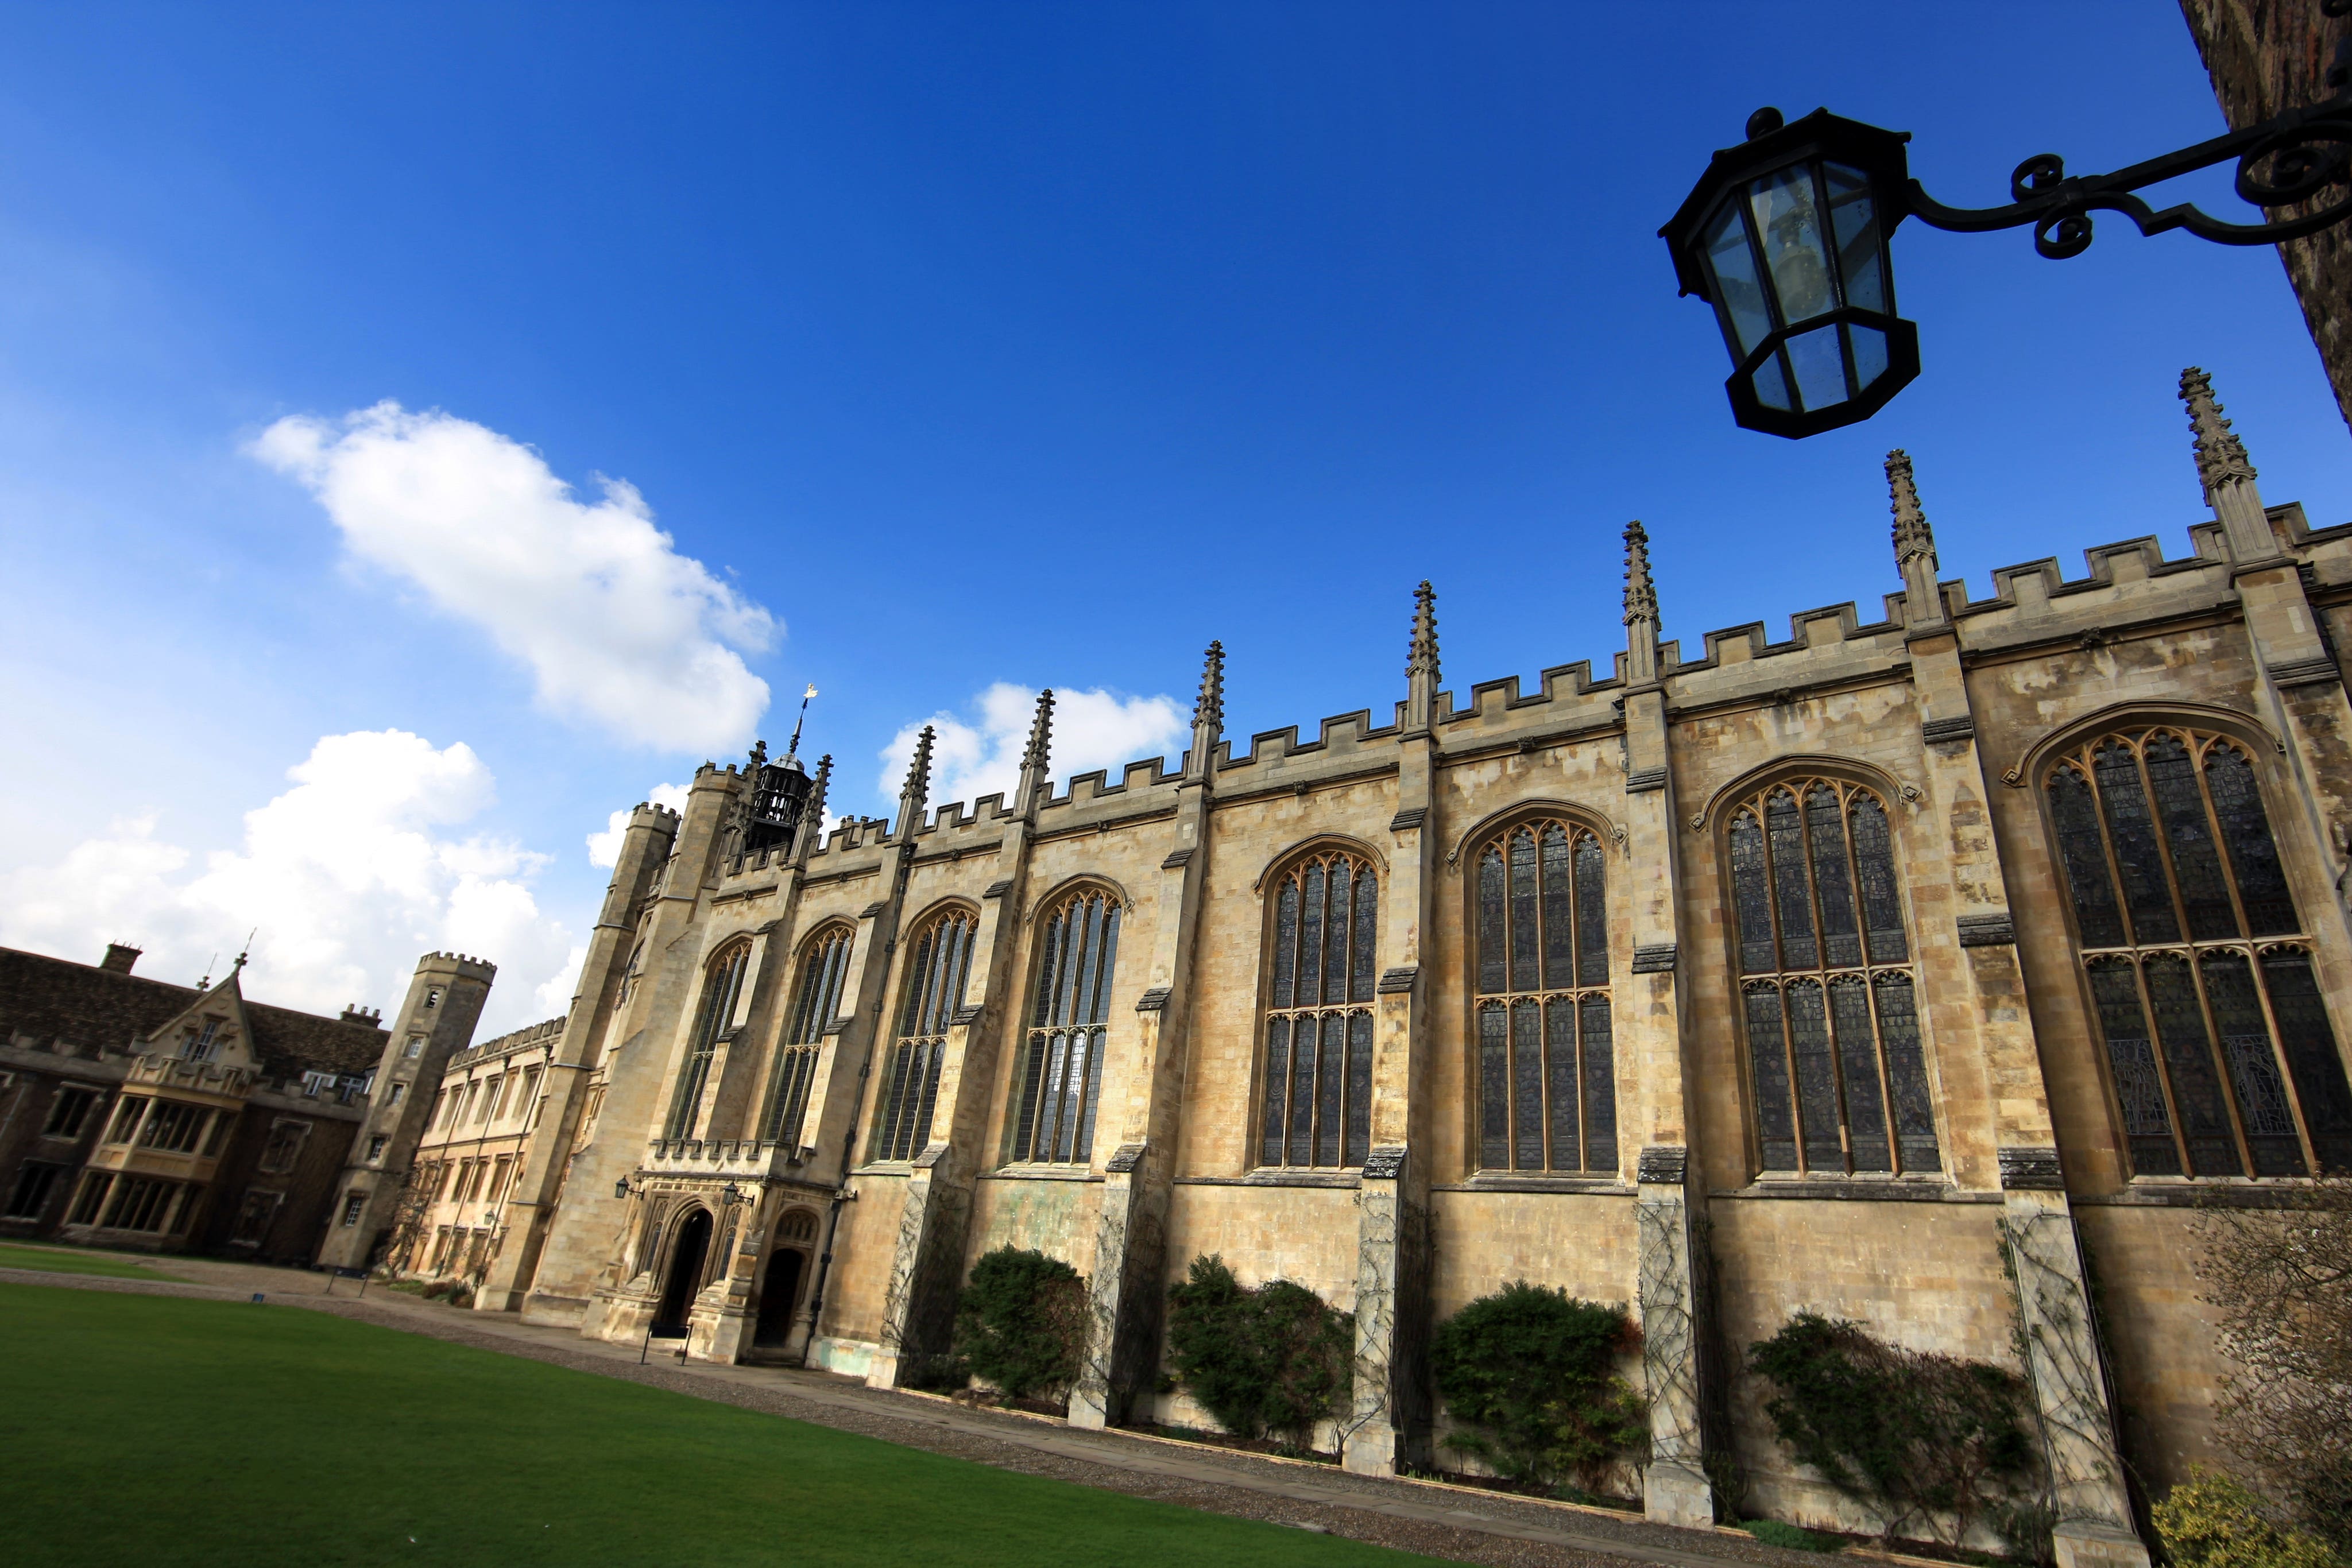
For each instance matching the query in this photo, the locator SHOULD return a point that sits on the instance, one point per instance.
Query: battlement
(457, 960)
(543, 1033)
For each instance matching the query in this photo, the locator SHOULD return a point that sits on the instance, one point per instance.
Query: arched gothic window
(2182, 916)
(1828, 998)
(722, 986)
(1061, 1075)
(825, 961)
(1547, 1077)
(935, 977)
(1317, 1109)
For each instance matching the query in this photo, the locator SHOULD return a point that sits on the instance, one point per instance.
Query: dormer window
(198, 1045)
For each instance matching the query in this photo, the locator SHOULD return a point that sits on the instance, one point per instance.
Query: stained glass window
(1547, 1081)
(816, 1001)
(2218, 1045)
(936, 971)
(1318, 1095)
(1836, 1060)
(1062, 1064)
(722, 987)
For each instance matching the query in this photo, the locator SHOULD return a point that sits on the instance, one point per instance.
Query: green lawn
(72, 1261)
(156, 1429)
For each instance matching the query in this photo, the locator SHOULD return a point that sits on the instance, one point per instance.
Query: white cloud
(349, 876)
(604, 848)
(617, 627)
(1091, 729)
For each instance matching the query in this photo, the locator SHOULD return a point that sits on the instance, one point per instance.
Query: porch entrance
(685, 1275)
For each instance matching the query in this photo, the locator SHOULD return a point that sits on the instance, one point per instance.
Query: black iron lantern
(1786, 237)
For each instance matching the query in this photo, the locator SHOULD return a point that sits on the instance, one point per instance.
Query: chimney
(119, 958)
(368, 1017)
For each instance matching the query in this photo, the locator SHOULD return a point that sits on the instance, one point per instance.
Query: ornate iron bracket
(2283, 161)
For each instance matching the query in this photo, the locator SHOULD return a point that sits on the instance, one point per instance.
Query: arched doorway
(685, 1273)
(780, 1295)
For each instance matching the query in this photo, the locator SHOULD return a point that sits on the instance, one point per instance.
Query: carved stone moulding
(1662, 1165)
(1385, 1163)
(1395, 982)
(1941, 731)
(1125, 1158)
(1152, 1000)
(1645, 782)
(2031, 1169)
(1988, 930)
(998, 888)
(1655, 959)
(1410, 817)
(2321, 671)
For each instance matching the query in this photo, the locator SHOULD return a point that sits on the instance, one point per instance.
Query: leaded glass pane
(2312, 1058)
(1527, 1086)
(2188, 1059)
(1359, 1087)
(2262, 1109)
(1052, 973)
(1906, 1074)
(1335, 939)
(2084, 852)
(2253, 854)
(1825, 825)
(1032, 1080)
(1277, 1089)
(1302, 1091)
(1494, 939)
(1049, 1110)
(1310, 937)
(1817, 1096)
(1599, 1086)
(1791, 899)
(1523, 926)
(1494, 1088)
(1751, 893)
(2131, 1054)
(919, 1131)
(1560, 1081)
(1858, 1059)
(1330, 1078)
(1592, 913)
(2133, 834)
(1559, 910)
(1101, 1011)
(2196, 862)
(1086, 1145)
(1874, 856)
(1073, 1084)
(1070, 1003)
(1286, 942)
(1775, 1124)
(1365, 943)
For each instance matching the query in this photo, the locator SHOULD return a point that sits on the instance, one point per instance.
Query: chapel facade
(1925, 970)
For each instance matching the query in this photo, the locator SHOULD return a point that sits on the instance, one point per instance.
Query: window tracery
(1062, 1064)
(2218, 1045)
(722, 984)
(1546, 1076)
(816, 1000)
(1316, 1107)
(1829, 1000)
(934, 989)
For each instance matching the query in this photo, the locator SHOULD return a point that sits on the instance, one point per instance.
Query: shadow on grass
(74, 1260)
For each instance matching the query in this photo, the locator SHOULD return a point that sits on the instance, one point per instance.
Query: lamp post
(1787, 237)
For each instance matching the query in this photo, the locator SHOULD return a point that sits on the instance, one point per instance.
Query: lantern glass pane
(1869, 355)
(1819, 366)
(1854, 218)
(1772, 387)
(1732, 264)
(1794, 248)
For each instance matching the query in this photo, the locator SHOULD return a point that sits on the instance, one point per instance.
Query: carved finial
(1041, 733)
(1913, 537)
(1421, 654)
(2220, 455)
(918, 771)
(1640, 595)
(758, 757)
(1210, 707)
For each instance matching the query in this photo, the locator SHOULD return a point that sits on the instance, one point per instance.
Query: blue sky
(958, 351)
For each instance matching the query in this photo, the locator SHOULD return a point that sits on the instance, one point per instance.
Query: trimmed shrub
(2212, 1522)
(1533, 1371)
(1276, 1359)
(1773, 1532)
(1908, 1434)
(1020, 1324)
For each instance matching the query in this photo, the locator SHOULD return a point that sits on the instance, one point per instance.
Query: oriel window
(1062, 1064)
(934, 989)
(1316, 1106)
(722, 984)
(1547, 1072)
(816, 1000)
(2218, 1047)
(1838, 1073)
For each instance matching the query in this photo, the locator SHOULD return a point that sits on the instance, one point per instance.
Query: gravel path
(1460, 1523)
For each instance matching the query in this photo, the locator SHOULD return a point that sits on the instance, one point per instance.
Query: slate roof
(86, 1007)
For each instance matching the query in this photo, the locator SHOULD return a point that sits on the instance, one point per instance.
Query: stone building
(1923, 969)
(472, 1145)
(137, 1114)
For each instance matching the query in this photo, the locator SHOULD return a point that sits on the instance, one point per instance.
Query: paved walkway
(1439, 1520)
